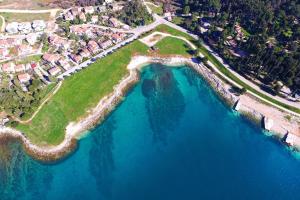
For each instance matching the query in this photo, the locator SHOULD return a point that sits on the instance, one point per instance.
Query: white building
(38, 25)
(12, 28)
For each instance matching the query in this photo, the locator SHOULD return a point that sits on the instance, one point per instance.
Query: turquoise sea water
(172, 138)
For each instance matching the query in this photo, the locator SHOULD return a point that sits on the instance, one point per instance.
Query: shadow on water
(20, 176)
(164, 101)
(101, 161)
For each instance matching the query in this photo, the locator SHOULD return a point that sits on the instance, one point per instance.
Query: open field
(82, 91)
(78, 94)
(25, 17)
(25, 4)
(173, 46)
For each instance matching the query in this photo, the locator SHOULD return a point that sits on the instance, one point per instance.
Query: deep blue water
(172, 138)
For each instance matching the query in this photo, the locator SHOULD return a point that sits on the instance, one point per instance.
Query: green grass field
(173, 46)
(24, 17)
(82, 91)
(79, 93)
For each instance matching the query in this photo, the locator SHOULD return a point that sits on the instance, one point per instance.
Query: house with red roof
(54, 71)
(4, 53)
(106, 44)
(85, 53)
(76, 58)
(8, 67)
(51, 58)
(93, 46)
(24, 49)
(20, 68)
(24, 78)
(89, 10)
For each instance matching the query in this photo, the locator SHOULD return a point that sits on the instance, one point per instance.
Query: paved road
(254, 86)
(136, 33)
(160, 20)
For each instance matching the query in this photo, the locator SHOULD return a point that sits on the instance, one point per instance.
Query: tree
(186, 10)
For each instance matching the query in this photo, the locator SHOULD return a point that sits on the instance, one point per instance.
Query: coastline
(248, 106)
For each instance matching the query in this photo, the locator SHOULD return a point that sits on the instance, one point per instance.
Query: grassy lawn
(173, 46)
(78, 94)
(25, 17)
(166, 29)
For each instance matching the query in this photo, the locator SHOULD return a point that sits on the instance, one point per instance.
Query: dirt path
(3, 23)
(40, 107)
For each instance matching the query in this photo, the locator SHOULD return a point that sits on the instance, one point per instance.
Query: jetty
(268, 123)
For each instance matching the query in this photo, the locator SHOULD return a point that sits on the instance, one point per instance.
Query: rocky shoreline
(75, 130)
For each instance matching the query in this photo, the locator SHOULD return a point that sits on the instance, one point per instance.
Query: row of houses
(56, 62)
(25, 27)
(94, 47)
(59, 42)
(11, 67)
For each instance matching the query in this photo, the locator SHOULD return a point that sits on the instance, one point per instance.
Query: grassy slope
(79, 93)
(172, 46)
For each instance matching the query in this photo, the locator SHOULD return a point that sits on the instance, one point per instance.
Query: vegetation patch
(24, 17)
(173, 46)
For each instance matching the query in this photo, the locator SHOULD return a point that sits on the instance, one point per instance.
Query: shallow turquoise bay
(171, 138)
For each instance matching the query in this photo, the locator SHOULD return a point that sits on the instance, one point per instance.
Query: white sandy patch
(153, 38)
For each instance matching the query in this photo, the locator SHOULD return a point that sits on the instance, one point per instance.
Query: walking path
(249, 83)
(3, 25)
(41, 105)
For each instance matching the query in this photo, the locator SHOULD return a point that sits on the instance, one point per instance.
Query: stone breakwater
(96, 115)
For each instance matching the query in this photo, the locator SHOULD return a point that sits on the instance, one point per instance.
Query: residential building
(93, 46)
(24, 49)
(54, 71)
(12, 28)
(59, 42)
(24, 27)
(8, 67)
(32, 38)
(85, 53)
(51, 58)
(106, 44)
(64, 64)
(82, 17)
(38, 25)
(114, 22)
(95, 19)
(20, 68)
(3, 53)
(24, 78)
(76, 58)
(117, 37)
(89, 10)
